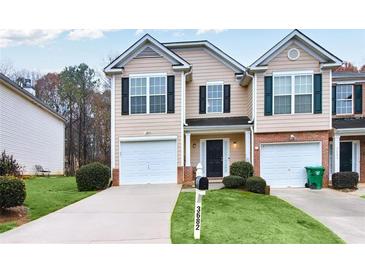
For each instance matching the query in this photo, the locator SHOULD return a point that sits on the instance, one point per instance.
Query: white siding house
(29, 130)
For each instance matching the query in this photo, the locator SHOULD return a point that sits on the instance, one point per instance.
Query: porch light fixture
(194, 145)
(234, 144)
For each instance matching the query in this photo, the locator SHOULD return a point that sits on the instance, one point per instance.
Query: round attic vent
(293, 54)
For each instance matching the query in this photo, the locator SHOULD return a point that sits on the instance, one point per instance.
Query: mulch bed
(17, 214)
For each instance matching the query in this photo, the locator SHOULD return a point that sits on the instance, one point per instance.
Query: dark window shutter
(227, 99)
(358, 99)
(170, 94)
(202, 99)
(125, 96)
(317, 88)
(268, 95)
(333, 100)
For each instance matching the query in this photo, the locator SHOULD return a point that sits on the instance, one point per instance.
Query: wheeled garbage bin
(315, 176)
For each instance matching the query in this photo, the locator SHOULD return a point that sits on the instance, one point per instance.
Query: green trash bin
(315, 176)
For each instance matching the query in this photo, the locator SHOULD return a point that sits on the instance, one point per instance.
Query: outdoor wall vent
(293, 54)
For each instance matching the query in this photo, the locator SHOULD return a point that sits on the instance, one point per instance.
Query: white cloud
(139, 32)
(79, 34)
(13, 37)
(203, 31)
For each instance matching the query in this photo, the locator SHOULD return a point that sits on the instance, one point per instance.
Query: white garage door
(282, 165)
(144, 162)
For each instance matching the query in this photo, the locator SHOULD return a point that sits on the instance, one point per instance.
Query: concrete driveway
(126, 214)
(341, 212)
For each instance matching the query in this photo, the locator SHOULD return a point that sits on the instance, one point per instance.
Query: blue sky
(52, 50)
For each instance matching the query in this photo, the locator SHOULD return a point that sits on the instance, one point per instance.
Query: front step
(213, 180)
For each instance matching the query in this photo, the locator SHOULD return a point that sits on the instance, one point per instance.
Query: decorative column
(187, 149)
(336, 153)
(248, 146)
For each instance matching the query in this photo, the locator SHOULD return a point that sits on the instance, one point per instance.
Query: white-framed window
(148, 93)
(215, 97)
(344, 99)
(293, 92)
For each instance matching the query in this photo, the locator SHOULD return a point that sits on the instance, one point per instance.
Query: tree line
(83, 99)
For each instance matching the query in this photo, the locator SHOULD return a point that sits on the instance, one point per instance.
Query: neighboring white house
(30, 130)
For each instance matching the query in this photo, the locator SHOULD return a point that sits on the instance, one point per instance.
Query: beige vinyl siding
(237, 152)
(155, 124)
(207, 68)
(294, 122)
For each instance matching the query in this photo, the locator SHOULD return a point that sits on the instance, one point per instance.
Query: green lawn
(47, 194)
(237, 217)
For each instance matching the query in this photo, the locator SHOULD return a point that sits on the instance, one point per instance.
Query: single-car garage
(283, 165)
(148, 161)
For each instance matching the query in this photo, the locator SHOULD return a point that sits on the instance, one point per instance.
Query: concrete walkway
(126, 214)
(341, 212)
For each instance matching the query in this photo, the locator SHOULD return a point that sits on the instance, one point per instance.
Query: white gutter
(350, 131)
(223, 128)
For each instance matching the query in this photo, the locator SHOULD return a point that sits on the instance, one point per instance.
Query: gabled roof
(29, 96)
(224, 57)
(117, 64)
(327, 59)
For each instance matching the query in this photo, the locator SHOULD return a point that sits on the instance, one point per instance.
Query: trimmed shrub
(9, 166)
(233, 181)
(345, 180)
(256, 184)
(94, 176)
(12, 192)
(242, 169)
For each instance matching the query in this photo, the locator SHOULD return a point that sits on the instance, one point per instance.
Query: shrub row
(346, 179)
(242, 177)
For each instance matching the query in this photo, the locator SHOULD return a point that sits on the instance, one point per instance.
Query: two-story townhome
(293, 110)
(347, 146)
(175, 105)
(178, 104)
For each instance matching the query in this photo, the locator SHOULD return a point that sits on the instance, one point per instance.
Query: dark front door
(214, 158)
(346, 156)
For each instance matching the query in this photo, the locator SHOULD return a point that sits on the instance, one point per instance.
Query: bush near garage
(242, 169)
(346, 179)
(12, 192)
(256, 184)
(91, 177)
(233, 181)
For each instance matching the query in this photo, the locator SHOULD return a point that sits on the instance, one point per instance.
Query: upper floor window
(344, 97)
(214, 97)
(293, 93)
(148, 94)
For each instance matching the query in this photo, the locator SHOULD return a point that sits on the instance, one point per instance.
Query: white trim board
(203, 154)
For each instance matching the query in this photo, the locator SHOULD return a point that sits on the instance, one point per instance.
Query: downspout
(183, 119)
(253, 118)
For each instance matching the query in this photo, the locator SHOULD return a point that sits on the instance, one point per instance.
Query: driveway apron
(341, 212)
(125, 214)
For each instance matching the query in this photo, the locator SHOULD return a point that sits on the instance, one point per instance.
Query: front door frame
(357, 153)
(226, 154)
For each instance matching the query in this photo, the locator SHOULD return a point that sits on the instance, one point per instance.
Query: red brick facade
(115, 177)
(266, 138)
